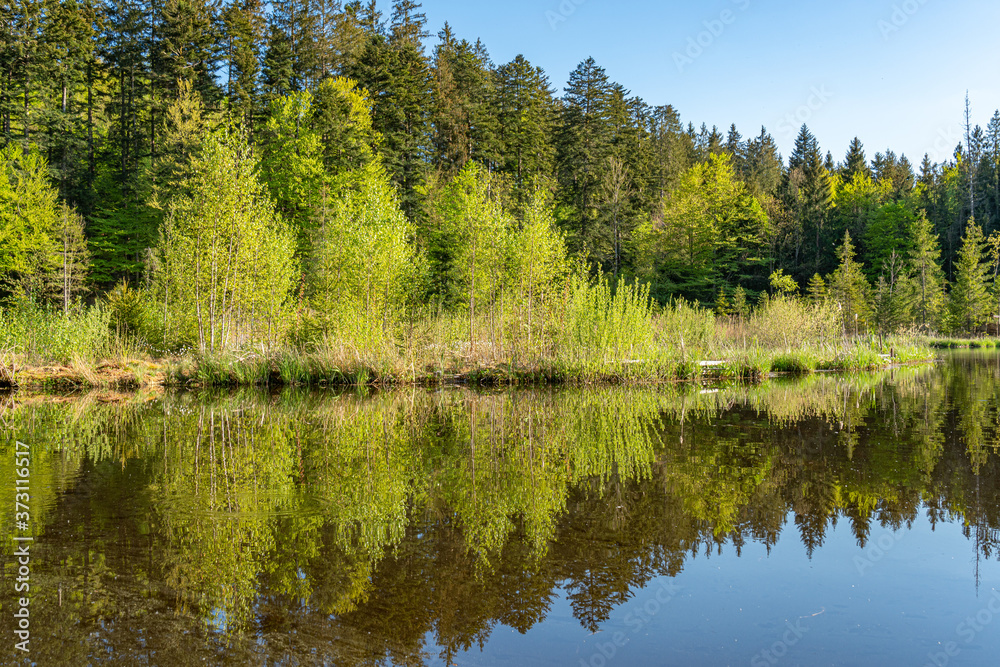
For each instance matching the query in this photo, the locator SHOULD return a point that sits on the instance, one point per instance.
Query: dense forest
(237, 161)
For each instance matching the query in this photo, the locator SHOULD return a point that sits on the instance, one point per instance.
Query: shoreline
(750, 367)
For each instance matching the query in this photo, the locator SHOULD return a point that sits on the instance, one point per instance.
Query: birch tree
(226, 267)
(362, 261)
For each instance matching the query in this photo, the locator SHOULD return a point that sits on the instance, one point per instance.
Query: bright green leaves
(225, 260)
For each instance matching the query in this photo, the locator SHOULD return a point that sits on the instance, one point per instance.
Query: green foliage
(969, 302)
(607, 332)
(850, 290)
(816, 291)
(711, 229)
(28, 219)
(471, 247)
(128, 311)
(929, 282)
(783, 284)
(40, 334)
(362, 263)
(225, 259)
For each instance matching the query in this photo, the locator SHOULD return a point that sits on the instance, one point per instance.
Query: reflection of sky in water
(845, 606)
(217, 620)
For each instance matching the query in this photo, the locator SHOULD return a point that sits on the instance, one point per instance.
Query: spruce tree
(855, 161)
(463, 116)
(925, 263)
(850, 289)
(245, 28)
(525, 111)
(816, 289)
(583, 147)
(969, 303)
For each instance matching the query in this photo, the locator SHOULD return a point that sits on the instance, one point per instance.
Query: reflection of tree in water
(351, 527)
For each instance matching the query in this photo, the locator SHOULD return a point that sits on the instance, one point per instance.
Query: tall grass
(43, 335)
(587, 331)
(607, 332)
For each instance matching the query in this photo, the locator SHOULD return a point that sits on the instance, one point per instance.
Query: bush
(603, 330)
(784, 322)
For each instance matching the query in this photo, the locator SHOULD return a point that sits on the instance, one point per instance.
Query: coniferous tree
(968, 303)
(186, 48)
(395, 71)
(816, 290)
(245, 28)
(583, 147)
(67, 46)
(850, 289)
(855, 161)
(525, 111)
(764, 167)
(464, 117)
(811, 194)
(925, 258)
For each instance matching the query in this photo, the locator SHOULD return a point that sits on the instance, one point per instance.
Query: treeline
(347, 158)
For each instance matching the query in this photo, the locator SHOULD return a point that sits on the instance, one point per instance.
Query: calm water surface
(825, 521)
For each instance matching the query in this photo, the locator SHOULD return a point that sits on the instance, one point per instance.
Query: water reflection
(365, 529)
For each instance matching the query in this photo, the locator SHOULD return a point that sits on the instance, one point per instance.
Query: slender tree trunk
(90, 126)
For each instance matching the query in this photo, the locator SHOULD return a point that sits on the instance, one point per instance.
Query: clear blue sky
(893, 73)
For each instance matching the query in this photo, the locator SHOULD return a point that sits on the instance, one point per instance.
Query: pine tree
(925, 258)
(582, 150)
(816, 290)
(525, 121)
(850, 289)
(855, 161)
(969, 299)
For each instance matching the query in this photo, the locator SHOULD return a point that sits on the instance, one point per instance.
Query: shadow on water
(314, 527)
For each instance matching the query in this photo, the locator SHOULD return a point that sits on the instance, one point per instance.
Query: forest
(246, 176)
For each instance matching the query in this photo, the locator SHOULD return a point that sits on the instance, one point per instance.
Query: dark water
(827, 521)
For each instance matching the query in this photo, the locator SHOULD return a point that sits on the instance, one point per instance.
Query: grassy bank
(596, 337)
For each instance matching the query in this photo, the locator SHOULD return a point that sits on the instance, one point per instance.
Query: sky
(892, 72)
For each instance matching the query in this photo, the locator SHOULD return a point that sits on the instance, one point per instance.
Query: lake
(829, 520)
